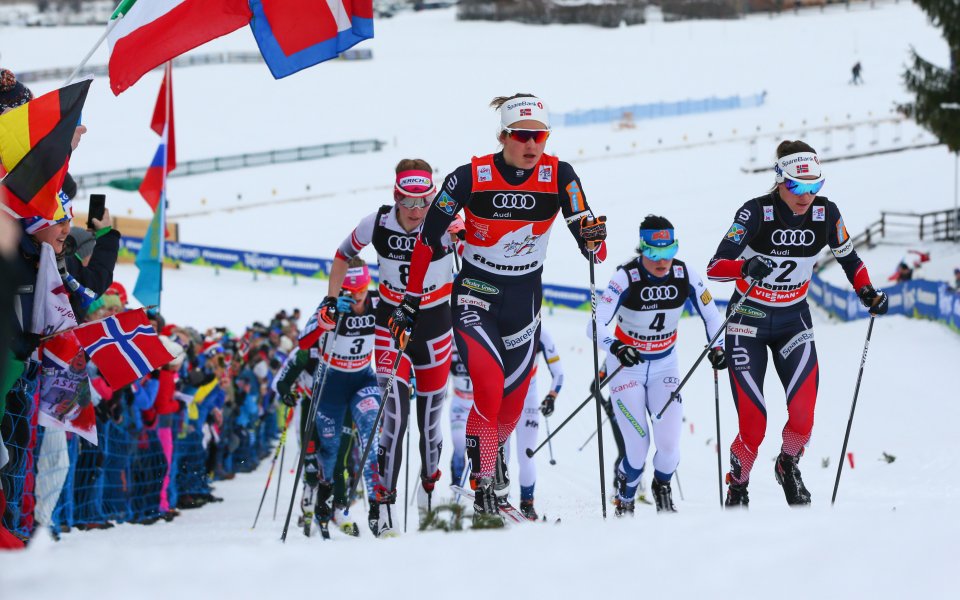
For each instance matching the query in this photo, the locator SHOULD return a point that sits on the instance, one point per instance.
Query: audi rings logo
(401, 242)
(360, 322)
(660, 292)
(792, 237)
(514, 201)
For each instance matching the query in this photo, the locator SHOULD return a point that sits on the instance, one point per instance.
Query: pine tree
(935, 86)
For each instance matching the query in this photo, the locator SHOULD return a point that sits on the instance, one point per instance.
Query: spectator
(956, 279)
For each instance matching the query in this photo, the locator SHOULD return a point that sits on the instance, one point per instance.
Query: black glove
(290, 399)
(546, 407)
(627, 355)
(875, 300)
(593, 229)
(756, 267)
(403, 318)
(717, 358)
(327, 313)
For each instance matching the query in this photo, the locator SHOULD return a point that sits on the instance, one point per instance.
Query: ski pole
(584, 445)
(273, 463)
(283, 454)
(546, 422)
(530, 452)
(319, 380)
(716, 396)
(401, 346)
(721, 329)
(676, 474)
(596, 377)
(853, 407)
(406, 485)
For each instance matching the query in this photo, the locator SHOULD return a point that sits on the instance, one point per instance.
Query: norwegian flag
(803, 169)
(125, 347)
(526, 112)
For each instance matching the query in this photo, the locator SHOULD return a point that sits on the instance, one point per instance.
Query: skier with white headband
(393, 230)
(637, 319)
(510, 200)
(774, 240)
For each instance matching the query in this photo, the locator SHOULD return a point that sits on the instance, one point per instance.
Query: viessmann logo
(479, 286)
(514, 201)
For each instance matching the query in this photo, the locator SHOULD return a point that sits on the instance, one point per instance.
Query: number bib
(650, 309)
(793, 250)
(353, 348)
(394, 248)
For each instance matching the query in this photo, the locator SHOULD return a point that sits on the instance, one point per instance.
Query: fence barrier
(656, 110)
(237, 161)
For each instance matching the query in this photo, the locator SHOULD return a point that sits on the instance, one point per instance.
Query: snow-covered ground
(893, 532)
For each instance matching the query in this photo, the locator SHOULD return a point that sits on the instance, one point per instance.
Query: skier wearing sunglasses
(393, 231)
(637, 319)
(774, 241)
(510, 200)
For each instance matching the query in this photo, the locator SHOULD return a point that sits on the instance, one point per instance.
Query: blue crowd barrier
(656, 110)
(934, 300)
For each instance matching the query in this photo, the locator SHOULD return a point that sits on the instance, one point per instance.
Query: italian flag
(145, 34)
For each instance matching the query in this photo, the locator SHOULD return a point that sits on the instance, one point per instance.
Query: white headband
(798, 166)
(524, 109)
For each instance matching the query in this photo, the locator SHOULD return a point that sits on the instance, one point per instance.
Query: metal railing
(937, 226)
(238, 161)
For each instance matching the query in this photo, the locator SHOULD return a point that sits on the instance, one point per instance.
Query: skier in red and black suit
(775, 240)
(393, 230)
(510, 200)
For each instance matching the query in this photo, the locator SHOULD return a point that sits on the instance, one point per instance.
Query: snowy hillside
(893, 532)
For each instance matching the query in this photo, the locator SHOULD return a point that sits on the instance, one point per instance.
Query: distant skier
(510, 200)
(637, 324)
(856, 79)
(780, 235)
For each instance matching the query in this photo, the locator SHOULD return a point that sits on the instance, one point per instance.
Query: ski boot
(425, 494)
(737, 495)
(662, 495)
(788, 476)
(373, 517)
(528, 511)
(385, 501)
(623, 507)
(345, 522)
(307, 502)
(486, 513)
(324, 507)
(501, 479)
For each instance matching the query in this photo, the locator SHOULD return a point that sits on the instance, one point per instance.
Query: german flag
(35, 149)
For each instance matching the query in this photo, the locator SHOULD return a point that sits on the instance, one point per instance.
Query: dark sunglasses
(524, 135)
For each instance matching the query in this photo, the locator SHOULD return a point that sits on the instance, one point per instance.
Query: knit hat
(12, 92)
(65, 213)
(118, 289)
(84, 241)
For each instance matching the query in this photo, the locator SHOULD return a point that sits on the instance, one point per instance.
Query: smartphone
(97, 203)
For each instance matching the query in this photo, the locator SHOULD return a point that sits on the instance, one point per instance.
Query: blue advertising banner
(933, 300)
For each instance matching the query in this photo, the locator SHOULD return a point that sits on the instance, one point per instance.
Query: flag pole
(123, 7)
(168, 117)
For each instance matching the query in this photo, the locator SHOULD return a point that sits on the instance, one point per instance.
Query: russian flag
(165, 158)
(296, 34)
